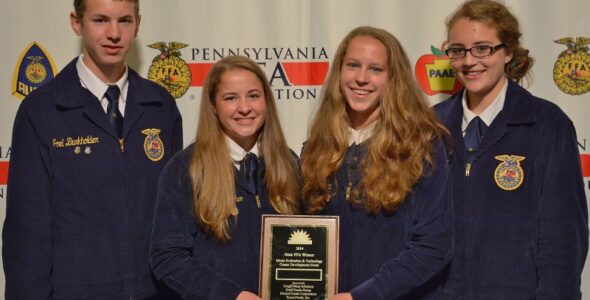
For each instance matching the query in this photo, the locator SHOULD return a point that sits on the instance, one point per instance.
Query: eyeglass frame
(493, 49)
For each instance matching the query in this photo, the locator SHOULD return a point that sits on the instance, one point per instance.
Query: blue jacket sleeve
(173, 238)
(27, 235)
(563, 221)
(431, 246)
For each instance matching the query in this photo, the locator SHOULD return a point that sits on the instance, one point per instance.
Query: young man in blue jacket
(87, 149)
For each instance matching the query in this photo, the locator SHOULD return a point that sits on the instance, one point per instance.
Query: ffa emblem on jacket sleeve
(169, 70)
(509, 174)
(571, 72)
(153, 146)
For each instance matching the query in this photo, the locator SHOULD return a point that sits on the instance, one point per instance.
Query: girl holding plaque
(375, 157)
(206, 237)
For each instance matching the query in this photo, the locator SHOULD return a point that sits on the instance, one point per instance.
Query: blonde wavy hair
(211, 168)
(401, 143)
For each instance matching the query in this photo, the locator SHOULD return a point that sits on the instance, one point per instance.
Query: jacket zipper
(122, 144)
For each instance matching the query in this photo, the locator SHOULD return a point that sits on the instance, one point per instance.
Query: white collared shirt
(359, 136)
(98, 88)
(489, 114)
(237, 153)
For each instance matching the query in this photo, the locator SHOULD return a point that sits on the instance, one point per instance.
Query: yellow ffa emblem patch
(169, 70)
(153, 146)
(571, 72)
(509, 174)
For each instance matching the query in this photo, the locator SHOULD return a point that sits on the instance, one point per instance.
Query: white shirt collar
(489, 114)
(97, 87)
(238, 153)
(359, 136)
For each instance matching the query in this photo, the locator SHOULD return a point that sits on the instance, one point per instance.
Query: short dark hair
(80, 7)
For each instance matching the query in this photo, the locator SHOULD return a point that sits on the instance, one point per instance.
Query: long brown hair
(499, 17)
(211, 168)
(401, 142)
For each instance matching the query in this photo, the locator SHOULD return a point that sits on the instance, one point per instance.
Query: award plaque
(298, 257)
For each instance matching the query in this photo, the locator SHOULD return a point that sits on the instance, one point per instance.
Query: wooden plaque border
(331, 223)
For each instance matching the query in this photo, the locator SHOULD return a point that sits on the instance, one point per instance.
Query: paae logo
(435, 75)
(169, 70)
(33, 69)
(293, 73)
(571, 72)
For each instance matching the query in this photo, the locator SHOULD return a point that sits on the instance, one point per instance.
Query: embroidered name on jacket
(509, 175)
(74, 141)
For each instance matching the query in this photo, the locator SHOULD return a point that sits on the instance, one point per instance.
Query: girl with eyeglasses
(520, 208)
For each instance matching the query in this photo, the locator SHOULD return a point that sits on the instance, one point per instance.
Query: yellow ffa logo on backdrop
(571, 72)
(509, 174)
(169, 70)
(33, 69)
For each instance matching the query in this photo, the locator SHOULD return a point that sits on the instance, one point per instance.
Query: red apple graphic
(435, 75)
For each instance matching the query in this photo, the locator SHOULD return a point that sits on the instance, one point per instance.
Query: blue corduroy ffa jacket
(521, 226)
(79, 206)
(392, 256)
(192, 262)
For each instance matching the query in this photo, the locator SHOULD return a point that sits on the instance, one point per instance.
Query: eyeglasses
(479, 51)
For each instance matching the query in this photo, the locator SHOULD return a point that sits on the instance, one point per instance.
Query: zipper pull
(348, 188)
(122, 144)
(258, 201)
(467, 169)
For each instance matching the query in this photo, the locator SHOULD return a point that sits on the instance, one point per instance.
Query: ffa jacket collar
(518, 110)
(70, 93)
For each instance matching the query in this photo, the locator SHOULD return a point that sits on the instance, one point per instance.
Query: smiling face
(363, 79)
(240, 105)
(108, 29)
(483, 78)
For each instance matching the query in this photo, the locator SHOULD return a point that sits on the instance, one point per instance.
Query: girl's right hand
(245, 295)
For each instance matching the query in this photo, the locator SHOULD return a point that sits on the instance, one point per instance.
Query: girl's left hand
(341, 296)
